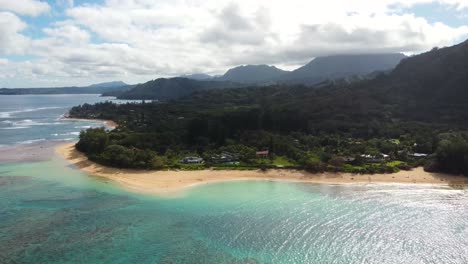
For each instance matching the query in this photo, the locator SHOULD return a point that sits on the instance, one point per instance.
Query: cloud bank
(138, 40)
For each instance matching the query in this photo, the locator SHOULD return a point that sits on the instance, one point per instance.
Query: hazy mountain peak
(108, 84)
(252, 73)
(197, 76)
(342, 66)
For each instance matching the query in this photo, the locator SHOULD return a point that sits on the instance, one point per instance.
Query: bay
(52, 213)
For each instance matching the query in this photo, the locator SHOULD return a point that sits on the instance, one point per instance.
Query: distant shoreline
(172, 182)
(111, 124)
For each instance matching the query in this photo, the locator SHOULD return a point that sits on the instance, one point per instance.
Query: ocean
(51, 212)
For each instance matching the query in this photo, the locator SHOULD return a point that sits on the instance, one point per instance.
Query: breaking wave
(66, 134)
(11, 113)
(31, 141)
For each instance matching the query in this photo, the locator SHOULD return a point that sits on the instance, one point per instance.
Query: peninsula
(172, 182)
(392, 123)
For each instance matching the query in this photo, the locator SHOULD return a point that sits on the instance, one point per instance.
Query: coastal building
(263, 153)
(348, 159)
(418, 155)
(192, 160)
(375, 158)
(225, 158)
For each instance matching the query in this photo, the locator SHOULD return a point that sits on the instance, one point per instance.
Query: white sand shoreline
(109, 123)
(173, 182)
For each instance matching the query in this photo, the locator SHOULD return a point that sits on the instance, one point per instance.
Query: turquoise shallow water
(52, 213)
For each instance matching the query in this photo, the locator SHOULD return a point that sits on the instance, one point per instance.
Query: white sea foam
(15, 127)
(63, 139)
(26, 123)
(29, 122)
(31, 141)
(66, 134)
(11, 113)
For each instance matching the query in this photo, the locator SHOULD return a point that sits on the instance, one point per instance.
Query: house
(263, 153)
(375, 158)
(418, 155)
(348, 159)
(192, 160)
(225, 158)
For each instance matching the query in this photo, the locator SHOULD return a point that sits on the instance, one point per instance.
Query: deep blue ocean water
(34, 118)
(53, 213)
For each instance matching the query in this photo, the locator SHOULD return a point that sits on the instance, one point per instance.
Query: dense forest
(278, 119)
(172, 88)
(415, 115)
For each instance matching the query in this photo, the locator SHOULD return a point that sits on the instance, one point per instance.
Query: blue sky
(436, 12)
(66, 42)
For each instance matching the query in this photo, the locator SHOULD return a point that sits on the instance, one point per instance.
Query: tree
(158, 163)
(452, 155)
(93, 140)
(119, 156)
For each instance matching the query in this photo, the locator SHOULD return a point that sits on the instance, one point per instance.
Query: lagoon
(51, 212)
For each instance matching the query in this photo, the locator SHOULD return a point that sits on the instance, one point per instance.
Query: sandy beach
(170, 182)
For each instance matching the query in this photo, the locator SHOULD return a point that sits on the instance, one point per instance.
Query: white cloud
(25, 7)
(146, 39)
(11, 40)
(188, 35)
(69, 33)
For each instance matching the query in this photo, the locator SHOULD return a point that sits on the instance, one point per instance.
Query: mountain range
(253, 74)
(430, 87)
(167, 89)
(318, 70)
(342, 66)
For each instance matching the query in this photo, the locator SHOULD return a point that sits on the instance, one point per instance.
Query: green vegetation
(166, 89)
(158, 135)
(413, 116)
(281, 161)
(451, 155)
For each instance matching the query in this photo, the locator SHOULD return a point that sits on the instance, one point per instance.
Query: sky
(58, 43)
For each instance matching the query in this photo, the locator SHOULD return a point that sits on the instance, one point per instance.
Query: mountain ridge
(318, 70)
(342, 66)
(253, 74)
(264, 75)
(172, 88)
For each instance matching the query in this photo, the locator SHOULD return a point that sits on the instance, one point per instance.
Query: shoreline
(172, 182)
(42, 150)
(109, 123)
